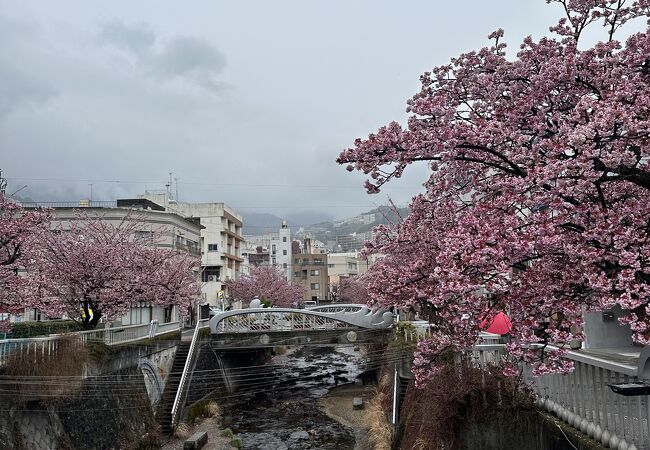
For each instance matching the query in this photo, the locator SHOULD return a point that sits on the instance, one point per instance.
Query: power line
(200, 183)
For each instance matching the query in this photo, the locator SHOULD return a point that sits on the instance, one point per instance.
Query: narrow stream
(284, 413)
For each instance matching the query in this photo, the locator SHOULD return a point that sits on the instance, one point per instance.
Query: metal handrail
(109, 336)
(181, 392)
(78, 204)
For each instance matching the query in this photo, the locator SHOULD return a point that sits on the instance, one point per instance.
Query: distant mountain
(328, 230)
(260, 223)
(320, 225)
(305, 218)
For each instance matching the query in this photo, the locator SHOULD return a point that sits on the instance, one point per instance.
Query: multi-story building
(272, 249)
(310, 270)
(221, 242)
(353, 241)
(171, 230)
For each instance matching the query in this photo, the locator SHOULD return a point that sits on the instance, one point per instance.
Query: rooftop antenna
(168, 187)
(176, 182)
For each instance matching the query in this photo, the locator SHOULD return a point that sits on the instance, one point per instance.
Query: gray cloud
(186, 58)
(20, 87)
(124, 92)
(137, 39)
(20, 90)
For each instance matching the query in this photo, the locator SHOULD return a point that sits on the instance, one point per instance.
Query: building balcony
(233, 235)
(233, 257)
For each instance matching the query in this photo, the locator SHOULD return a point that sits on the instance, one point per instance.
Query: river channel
(282, 412)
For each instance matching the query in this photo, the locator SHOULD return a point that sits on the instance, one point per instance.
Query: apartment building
(221, 243)
(273, 249)
(310, 270)
(353, 241)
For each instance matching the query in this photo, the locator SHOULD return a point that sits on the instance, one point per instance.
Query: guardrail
(109, 336)
(183, 384)
(584, 400)
(77, 204)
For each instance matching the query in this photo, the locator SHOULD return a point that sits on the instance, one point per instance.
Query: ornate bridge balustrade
(264, 320)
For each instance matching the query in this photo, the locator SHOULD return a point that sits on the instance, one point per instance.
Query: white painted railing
(109, 336)
(584, 400)
(183, 385)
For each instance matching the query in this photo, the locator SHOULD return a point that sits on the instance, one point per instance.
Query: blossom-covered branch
(538, 193)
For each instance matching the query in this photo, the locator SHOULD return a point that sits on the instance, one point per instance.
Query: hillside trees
(266, 283)
(538, 192)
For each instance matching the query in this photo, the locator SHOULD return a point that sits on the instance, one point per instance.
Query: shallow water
(282, 412)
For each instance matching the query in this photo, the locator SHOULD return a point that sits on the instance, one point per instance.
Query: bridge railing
(345, 307)
(184, 383)
(289, 319)
(108, 336)
(583, 398)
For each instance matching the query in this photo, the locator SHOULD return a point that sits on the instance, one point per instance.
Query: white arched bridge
(261, 327)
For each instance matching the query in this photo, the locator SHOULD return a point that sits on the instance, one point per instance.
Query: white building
(278, 246)
(221, 242)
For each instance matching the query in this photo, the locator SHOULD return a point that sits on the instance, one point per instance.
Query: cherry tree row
(88, 269)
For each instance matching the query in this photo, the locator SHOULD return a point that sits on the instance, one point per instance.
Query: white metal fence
(584, 400)
(109, 336)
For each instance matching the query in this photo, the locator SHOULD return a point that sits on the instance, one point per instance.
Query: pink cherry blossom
(90, 269)
(19, 230)
(538, 191)
(266, 283)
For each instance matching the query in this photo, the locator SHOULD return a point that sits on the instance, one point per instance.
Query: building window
(210, 273)
(318, 261)
(213, 247)
(284, 239)
(273, 248)
(284, 252)
(331, 266)
(273, 261)
(144, 237)
(284, 265)
(315, 273)
(296, 261)
(315, 286)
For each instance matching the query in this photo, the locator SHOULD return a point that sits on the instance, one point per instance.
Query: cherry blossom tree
(266, 283)
(538, 192)
(19, 230)
(91, 268)
(353, 290)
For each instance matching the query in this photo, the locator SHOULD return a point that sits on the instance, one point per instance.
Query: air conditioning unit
(212, 278)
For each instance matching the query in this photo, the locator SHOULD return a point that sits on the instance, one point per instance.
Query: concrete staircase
(164, 412)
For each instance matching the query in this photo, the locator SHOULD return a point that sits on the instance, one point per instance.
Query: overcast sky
(247, 103)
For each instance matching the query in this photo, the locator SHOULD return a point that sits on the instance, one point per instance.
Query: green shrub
(42, 328)
(236, 442)
(227, 433)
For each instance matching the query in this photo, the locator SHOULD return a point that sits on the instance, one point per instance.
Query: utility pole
(3, 184)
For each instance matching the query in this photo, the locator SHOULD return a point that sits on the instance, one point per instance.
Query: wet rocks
(299, 435)
(289, 416)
